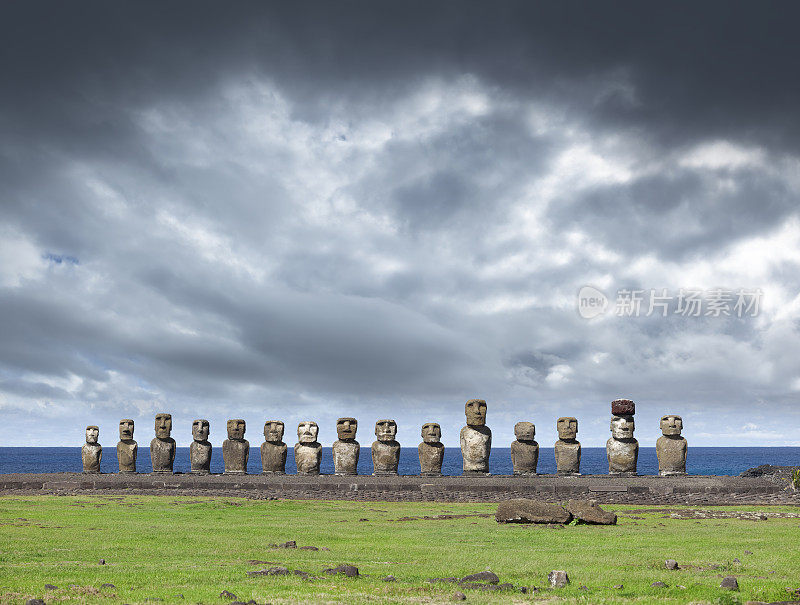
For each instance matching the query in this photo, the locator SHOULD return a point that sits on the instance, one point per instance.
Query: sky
(307, 210)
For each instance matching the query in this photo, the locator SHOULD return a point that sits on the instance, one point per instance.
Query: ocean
(700, 460)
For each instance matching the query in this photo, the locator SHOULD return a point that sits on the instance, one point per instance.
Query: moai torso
(91, 452)
(127, 448)
(386, 450)
(236, 449)
(567, 448)
(308, 452)
(162, 447)
(622, 449)
(431, 450)
(476, 439)
(273, 450)
(525, 450)
(671, 447)
(200, 448)
(346, 449)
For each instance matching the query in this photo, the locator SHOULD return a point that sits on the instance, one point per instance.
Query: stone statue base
(526, 474)
(623, 473)
(671, 474)
(476, 474)
(385, 474)
(127, 472)
(199, 472)
(234, 472)
(307, 473)
(273, 472)
(431, 474)
(567, 474)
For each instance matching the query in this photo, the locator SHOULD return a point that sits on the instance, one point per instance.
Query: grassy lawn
(161, 547)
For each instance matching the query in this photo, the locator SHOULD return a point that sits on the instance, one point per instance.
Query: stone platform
(693, 489)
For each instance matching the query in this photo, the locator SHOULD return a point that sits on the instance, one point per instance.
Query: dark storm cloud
(391, 205)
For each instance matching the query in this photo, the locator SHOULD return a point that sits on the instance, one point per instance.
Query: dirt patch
(443, 517)
(730, 514)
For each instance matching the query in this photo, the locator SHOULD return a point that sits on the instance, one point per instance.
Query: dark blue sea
(700, 461)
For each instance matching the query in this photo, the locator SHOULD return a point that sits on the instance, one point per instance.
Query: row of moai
(622, 449)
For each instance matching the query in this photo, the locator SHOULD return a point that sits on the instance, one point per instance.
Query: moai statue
(273, 450)
(200, 449)
(671, 447)
(568, 448)
(236, 449)
(91, 452)
(386, 450)
(524, 451)
(162, 448)
(127, 448)
(476, 439)
(346, 449)
(431, 450)
(308, 451)
(622, 449)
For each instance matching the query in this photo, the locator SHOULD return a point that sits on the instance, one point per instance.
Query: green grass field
(161, 547)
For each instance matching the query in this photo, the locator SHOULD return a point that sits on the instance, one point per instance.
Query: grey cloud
(220, 268)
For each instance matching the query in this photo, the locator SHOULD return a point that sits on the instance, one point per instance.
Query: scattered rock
(435, 580)
(671, 564)
(102, 561)
(618, 586)
(50, 587)
(34, 602)
(363, 519)
(760, 471)
(482, 576)
(736, 560)
(308, 548)
(587, 512)
(681, 586)
(729, 583)
(351, 571)
(523, 510)
(226, 594)
(390, 579)
(659, 585)
(325, 548)
(558, 578)
(289, 544)
(459, 596)
(748, 552)
(107, 585)
(583, 587)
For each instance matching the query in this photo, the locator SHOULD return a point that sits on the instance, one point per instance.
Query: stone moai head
(525, 431)
(567, 428)
(622, 427)
(475, 409)
(200, 430)
(163, 425)
(125, 429)
(236, 428)
(346, 428)
(671, 425)
(307, 432)
(92, 434)
(273, 431)
(431, 432)
(386, 430)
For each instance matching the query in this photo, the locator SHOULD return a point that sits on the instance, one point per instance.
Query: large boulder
(522, 510)
(587, 512)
